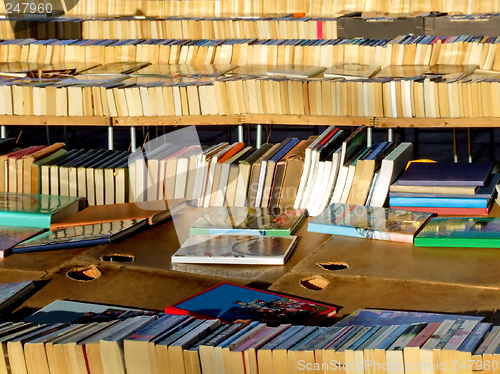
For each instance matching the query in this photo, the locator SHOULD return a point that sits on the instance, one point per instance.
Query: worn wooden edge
(54, 121)
(436, 122)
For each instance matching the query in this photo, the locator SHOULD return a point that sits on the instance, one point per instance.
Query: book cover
(483, 232)
(373, 317)
(10, 292)
(449, 211)
(369, 222)
(230, 302)
(248, 221)
(446, 174)
(31, 210)
(81, 236)
(235, 249)
(438, 202)
(119, 212)
(10, 236)
(350, 70)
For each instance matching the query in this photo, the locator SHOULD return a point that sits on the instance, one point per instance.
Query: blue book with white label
(438, 202)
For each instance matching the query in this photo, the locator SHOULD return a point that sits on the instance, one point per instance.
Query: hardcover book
(230, 302)
(369, 222)
(10, 292)
(248, 221)
(482, 232)
(350, 70)
(446, 174)
(10, 236)
(235, 249)
(96, 214)
(31, 210)
(81, 236)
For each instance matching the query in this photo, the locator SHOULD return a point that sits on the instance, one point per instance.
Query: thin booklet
(235, 249)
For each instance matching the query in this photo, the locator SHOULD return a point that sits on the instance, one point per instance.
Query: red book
(449, 211)
(229, 302)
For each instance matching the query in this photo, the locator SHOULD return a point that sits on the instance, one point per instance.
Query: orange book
(119, 212)
(30, 174)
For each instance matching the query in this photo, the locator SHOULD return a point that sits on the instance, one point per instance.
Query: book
(439, 202)
(461, 232)
(449, 211)
(81, 236)
(350, 70)
(10, 236)
(12, 292)
(235, 249)
(120, 212)
(446, 174)
(299, 71)
(373, 317)
(248, 221)
(369, 222)
(230, 302)
(31, 210)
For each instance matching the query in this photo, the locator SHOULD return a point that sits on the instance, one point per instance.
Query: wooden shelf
(256, 119)
(436, 122)
(176, 121)
(54, 121)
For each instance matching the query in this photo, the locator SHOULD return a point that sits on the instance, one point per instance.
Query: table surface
(151, 281)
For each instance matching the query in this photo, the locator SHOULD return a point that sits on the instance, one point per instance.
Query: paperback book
(235, 249)
(369, 222)
(248, 221)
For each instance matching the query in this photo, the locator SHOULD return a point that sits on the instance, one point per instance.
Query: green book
(248, 221)
(465, 232)
(31, 210)
(49, 160)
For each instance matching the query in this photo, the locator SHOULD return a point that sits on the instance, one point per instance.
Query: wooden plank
(175, 121)
(307, 120)
(436, 122)
(54, 121)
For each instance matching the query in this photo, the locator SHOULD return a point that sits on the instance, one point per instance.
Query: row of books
(404, 50)
(173, 28)
(238, 95)
(115, 340)
(208, 8)
(100, 176)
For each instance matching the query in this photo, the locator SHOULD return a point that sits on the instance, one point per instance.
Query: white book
(321, 174)
(331, 182)
(313, 171)
(391, 169)
(348, 184)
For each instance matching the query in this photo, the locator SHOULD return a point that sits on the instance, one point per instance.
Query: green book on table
(248, 221)
(32, 210)
(465, 232)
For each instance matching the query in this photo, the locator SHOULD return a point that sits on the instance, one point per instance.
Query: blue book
(393, 337)
(438, 202)
(369, 222)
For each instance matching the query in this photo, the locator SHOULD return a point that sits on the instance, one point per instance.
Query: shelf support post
(369, 136)
(133, 140)
(241, 137)
(111, 138)
(259, 137)
(3, 130)
(390, 135)
(455, 156)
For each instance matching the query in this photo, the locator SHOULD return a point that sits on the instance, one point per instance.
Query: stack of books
(446, 188)
(256, 236)
(32, 223)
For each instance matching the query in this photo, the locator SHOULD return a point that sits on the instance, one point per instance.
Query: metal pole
(469, 145)
(3, 131)
(111, 138)
(390, 135)
(48, 135)
(241, 137)
(133, 140)
(369, 136)
(259, 137)
(455, 156)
